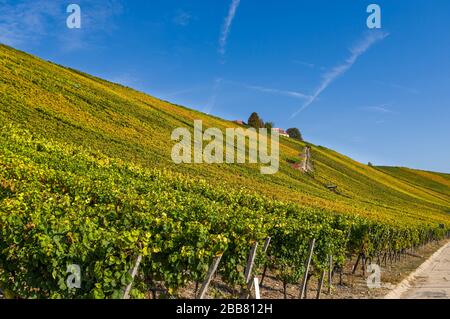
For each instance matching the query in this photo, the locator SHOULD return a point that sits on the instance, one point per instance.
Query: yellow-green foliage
(61, 205)
(69, 106)
(86, 177)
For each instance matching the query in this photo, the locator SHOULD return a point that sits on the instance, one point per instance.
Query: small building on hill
(281, 132)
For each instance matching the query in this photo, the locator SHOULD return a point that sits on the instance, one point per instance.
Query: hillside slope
(69, 106)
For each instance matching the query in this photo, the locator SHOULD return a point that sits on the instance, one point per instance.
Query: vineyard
(86, 179)
(63, 205)
(68, 106)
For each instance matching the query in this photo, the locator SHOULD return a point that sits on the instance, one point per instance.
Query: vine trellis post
(308, 264)
(330, 274)
(266, 246)
(248, 271)
(209, 276)
(134, 271)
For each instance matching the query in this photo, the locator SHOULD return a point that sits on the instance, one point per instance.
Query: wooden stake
(264, 274)
(307, 285)
(248, 270)
(364, 264)
(196, 287)
(126, 295)
(319, 289)
(265, 247)
(357, 263)
(266, 244)
(250, 262)
(212, 269)
(308, 263)
(330, 274)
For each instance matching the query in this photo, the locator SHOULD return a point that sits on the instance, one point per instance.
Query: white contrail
(339, 70)
(227, 26)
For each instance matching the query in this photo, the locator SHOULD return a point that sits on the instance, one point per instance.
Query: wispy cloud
(399, 87)
(25, 23)
(182, 18)
(213, 98)
(125, 79)
(355, 52)
(382, 109)
(184, 91)
(307, 64)
(358, 139)
(293, 94)
(227, 26)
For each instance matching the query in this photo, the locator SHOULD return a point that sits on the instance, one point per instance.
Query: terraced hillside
(67, 105)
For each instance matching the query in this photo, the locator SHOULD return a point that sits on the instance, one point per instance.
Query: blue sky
(381, 96)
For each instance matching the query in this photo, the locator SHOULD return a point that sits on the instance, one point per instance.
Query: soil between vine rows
(353, 287)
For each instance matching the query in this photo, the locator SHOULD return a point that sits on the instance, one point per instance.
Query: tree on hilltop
(254, 120)
(294, 133)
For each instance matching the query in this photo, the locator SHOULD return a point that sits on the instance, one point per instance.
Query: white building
(281, 132)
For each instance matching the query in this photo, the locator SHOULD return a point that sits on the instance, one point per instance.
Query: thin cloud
(125, 79)
(307, 64)
(213, 99)
(355, 52)
(182, 18)
(400, 87)
(382, 109)
(358, 139)
(184, 91)
(293, 94)
(227, 26)
(26, 23)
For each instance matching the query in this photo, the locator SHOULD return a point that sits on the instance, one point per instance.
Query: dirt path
(306, 165)
(430, 281)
